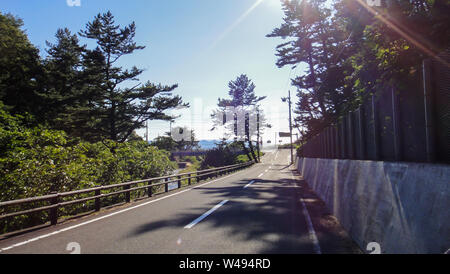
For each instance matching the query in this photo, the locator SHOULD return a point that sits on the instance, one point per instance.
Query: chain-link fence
(412, 124)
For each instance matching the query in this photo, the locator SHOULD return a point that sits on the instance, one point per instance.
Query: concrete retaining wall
(405, 207)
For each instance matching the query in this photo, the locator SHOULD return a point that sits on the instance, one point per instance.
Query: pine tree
(317, 41)
(119, 110)
(66, 88)
(243, 100)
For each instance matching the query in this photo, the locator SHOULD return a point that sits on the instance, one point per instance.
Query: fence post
(54, 211)
(361, 136)
(127, 194)
(430, 133)
(330, 142)
(324, 145)
(150, 189)
(351, 140)
(396, 126)
(343, 138)
(375, 130)
(332, 139)
(98, 203)
(336, 143)
(320, 137)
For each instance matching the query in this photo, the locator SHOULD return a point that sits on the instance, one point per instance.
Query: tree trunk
(246, 150)
(252, 151)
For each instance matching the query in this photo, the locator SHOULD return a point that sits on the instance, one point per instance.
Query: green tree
(164, 143)
(20, 68)
(120, 110)
(315, 41)
(389, 42)
(243, 102)
(67, 86)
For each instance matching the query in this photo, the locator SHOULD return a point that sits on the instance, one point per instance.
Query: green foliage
(120, 110)
(165, 143)
(352, 51)
(20, 67)
(223, 156)
(242, 98)
(192, 159)
(240, 159)
(242, 93)
(36, 161)
(169, 144)
(80, 90)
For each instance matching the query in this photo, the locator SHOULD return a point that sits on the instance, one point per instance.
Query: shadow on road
(268, 212)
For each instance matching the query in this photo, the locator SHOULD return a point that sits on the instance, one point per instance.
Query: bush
(242, 159)
(36, 161)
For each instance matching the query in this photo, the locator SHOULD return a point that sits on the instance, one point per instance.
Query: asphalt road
(260, 210)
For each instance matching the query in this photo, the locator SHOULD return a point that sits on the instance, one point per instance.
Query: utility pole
(258, 135)
(290, 129)
(290, 124)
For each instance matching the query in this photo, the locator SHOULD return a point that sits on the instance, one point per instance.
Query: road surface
(265, 209)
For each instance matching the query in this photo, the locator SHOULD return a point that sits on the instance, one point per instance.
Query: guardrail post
(127, 194)
(179, 181)
(54, 211)
(189, 179)
(166, 186)
(149, 190)
(98, 204)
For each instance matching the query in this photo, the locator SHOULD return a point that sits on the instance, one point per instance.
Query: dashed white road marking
(249, 184)
(206, 214)
(260, 175)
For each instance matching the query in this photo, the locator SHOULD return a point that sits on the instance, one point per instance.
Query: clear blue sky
(199, 44)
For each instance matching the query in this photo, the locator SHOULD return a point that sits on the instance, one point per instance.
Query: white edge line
(311, 231)
(109, 215)
(206, 214)
(249, 184)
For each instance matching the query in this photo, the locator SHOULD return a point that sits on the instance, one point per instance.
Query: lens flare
(236, 23)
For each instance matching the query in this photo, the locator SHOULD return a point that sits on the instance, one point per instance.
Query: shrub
(36, 161)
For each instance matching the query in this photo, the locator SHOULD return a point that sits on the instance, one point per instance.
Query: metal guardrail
(56, 203)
